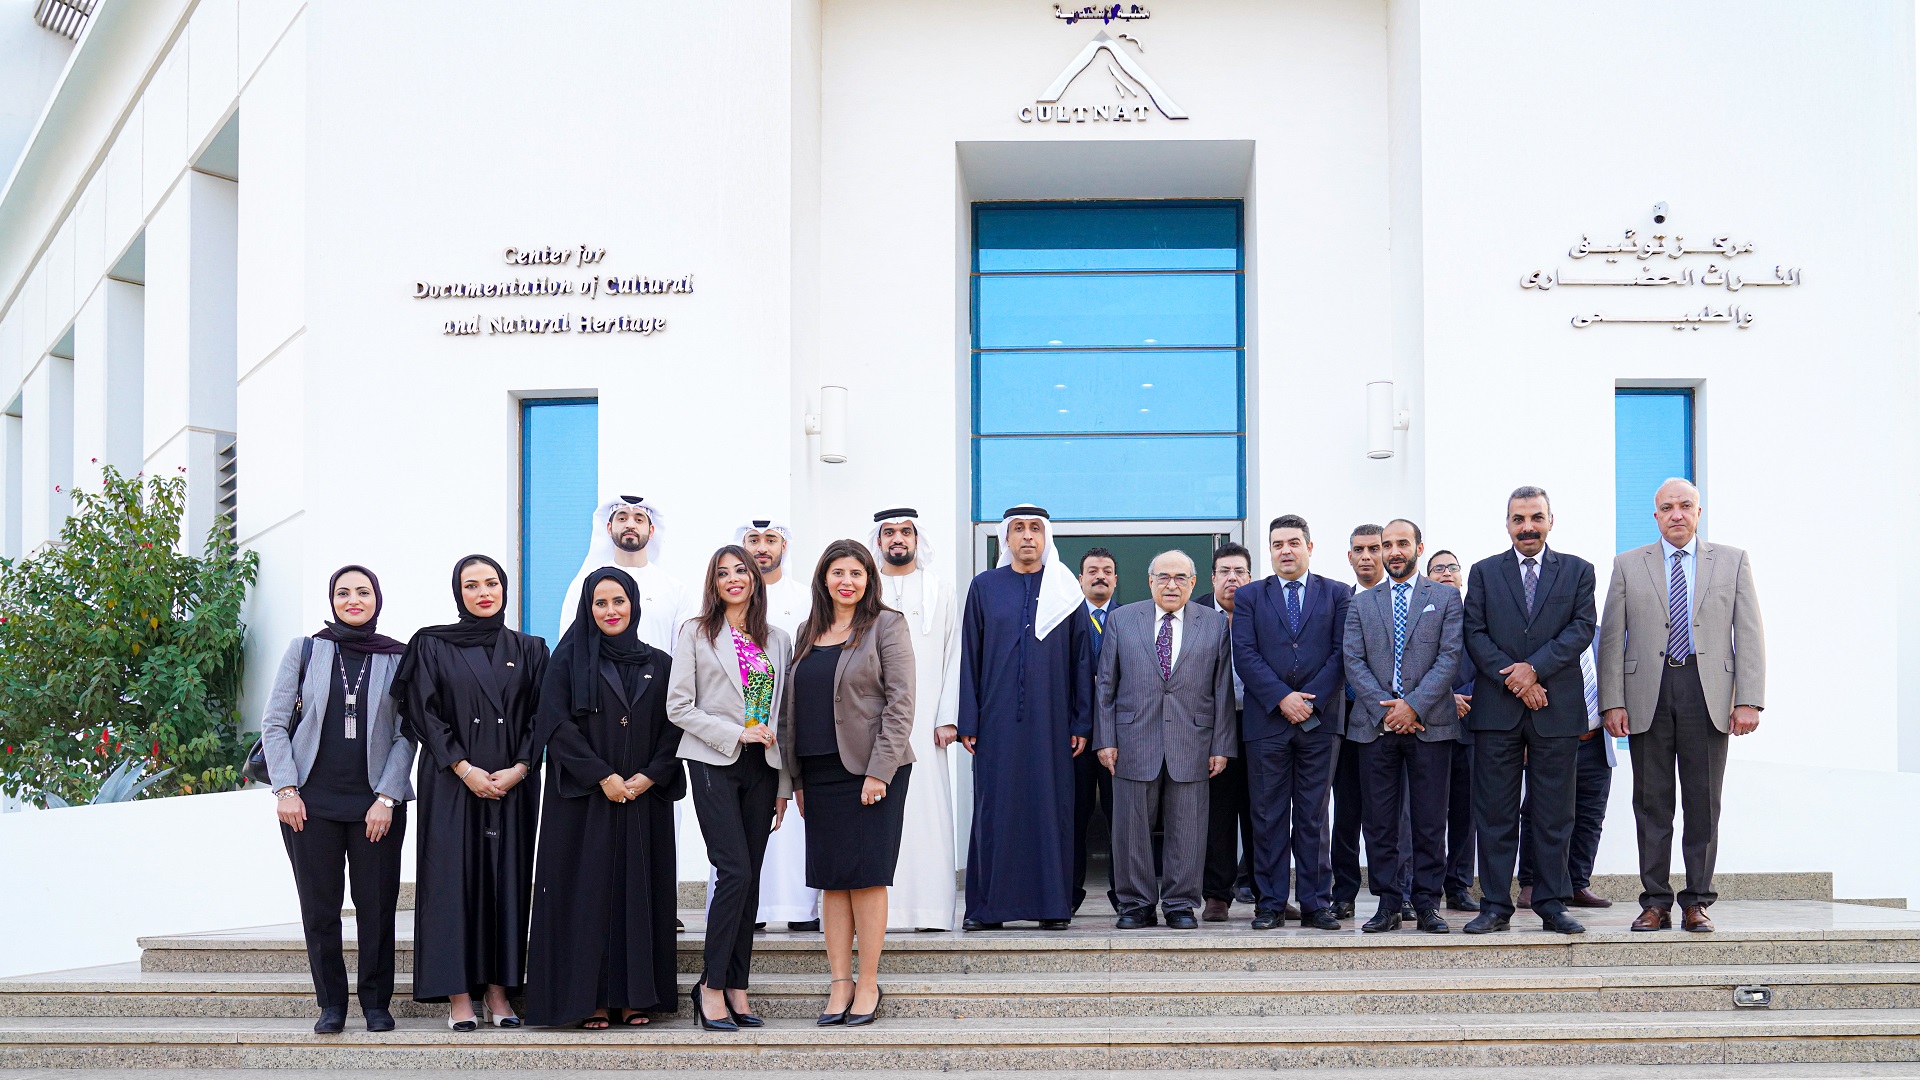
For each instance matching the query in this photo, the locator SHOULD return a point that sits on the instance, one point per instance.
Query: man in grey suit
(1403, 647)
(1683, 664)
(1163, 726)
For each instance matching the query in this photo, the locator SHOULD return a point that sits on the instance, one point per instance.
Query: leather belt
(1588, 737)
(1691, 657)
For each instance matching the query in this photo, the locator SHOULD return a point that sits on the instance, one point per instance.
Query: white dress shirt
(1687, 561)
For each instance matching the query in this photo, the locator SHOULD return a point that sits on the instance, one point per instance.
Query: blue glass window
(559, 489)
(1120, 324)
(1652, 441)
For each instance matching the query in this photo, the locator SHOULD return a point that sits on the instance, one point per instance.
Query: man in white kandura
(627, 531)
(924, 891)
(784, 896)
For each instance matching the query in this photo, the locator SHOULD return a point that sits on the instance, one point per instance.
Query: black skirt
(850, 846)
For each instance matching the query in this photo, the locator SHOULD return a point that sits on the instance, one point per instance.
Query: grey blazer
(706, 701)
(290, 751)
(1178, 722)
(873, 685)
(1727, 633)
(1428, 662)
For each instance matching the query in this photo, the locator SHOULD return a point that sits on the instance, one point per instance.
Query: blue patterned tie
(1163, 645)
(1530, 578)
(1099, 628)
(1679, 615)
(1293, 606)
(1590, 676)
(1399, 630)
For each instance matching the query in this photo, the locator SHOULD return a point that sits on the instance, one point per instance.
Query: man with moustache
(1229, 867)
(1287, 643)
(1363, 555)
(1093, 785)
(1403, 647)
(1529, 615)
(1444, 568)
(1683, 664)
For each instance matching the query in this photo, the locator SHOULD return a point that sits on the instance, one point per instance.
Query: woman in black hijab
(468, 690)
(604, 893)
(340, 762)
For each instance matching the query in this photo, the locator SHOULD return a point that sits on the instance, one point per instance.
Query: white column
(108, 389)
(10, 476)
(189, 355)
(46, 422)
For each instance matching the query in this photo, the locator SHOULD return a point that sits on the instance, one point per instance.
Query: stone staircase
(1843, 983)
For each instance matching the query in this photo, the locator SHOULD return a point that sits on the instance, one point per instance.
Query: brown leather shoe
(1215, 911)
(1695, 920)
(1589, 898)
(1525, 900)
(1653, 918)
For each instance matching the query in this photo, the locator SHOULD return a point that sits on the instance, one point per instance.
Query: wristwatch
(384, 801)
(286, 793)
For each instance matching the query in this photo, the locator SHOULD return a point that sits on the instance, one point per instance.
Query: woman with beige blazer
(844, 727)
(729, 676)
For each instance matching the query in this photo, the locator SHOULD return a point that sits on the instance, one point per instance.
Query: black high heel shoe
(700, 1014)
(741, 1019)
(855, 1019)
(828, 1019)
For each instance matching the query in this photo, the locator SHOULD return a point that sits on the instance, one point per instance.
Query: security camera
(1659, 213)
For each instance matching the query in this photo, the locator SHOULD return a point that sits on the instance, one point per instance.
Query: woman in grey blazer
(341, 763)
(844, 734)
(729, 677)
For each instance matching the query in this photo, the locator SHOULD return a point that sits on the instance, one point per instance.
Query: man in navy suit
(1287, 636)
(1530, 614)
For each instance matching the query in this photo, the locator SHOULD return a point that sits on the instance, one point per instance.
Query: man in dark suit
(1287, 632)
(1402, 647)
(1229, 819)
(1530, 614)
(1093, 785)
(1363, 555)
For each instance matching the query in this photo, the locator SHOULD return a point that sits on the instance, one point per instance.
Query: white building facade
(245, 238)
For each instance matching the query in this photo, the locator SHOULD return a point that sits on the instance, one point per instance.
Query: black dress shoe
(1429, 920)
(1182, 920)
(1384, 921)
(700, 1014)
(1266, 919)
(1462, 900)
(805, 926)
(1321, 919)
(976, 924)
(1487, 922)
(1406, 911)
(378, 1019)
(1136, 920)
(1343, 909)
(1244, 895)
(1560, 923)
(855, 1019)
(333, 1020)
(1045, 924)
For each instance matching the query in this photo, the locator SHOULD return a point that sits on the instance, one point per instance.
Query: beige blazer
(1727, 633)
(872, 703)
(706, 701)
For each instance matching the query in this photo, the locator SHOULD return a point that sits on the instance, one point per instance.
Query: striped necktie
(1679, 614)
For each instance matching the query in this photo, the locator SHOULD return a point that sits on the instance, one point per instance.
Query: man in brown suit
(1683, 664)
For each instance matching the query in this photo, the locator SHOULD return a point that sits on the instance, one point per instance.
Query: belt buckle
(1672, 663)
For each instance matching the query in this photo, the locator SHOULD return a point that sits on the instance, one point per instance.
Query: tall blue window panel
(1109, 360)
(559, 488)
(1652, 441)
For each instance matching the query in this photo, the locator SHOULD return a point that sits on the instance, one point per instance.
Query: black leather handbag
(256, 766)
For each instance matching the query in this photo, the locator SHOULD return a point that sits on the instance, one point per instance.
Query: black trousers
(1287, 782)
(1402, 777)
(1345, 838)
(1501, 759)
(1092, 789)
(1460, 821)
(326, 856)
(1591, 789)
(1681, 739)
(735, 806)
(1229, 832)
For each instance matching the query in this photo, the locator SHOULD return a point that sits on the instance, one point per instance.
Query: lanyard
(351, 695)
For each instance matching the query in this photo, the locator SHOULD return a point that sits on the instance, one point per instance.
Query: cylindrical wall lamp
(1383, 419)
(830, 423)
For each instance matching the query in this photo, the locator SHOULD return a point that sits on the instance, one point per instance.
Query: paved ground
(1649, 1072)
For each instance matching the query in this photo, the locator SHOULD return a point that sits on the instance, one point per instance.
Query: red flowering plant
(116, 645)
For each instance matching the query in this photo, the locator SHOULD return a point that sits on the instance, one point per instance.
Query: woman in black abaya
(604, 889)
(469, 690)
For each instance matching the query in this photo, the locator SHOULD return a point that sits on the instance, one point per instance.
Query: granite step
(124, 990)
(1163, 1043)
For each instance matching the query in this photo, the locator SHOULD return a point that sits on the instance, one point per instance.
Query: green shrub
(114, 646)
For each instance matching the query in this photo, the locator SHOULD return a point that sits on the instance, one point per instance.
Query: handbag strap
(300, 685)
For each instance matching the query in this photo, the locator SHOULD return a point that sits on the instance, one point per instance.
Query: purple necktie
(1163, 645)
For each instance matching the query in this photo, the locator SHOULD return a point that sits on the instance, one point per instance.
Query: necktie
(1163, 645)
(1099, 628)
(1399, 630)
(1679, 615)
(1293, 605)
(1530, 578)
(1591, 677)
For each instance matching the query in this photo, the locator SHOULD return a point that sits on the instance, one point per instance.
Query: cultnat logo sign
(1138, 97)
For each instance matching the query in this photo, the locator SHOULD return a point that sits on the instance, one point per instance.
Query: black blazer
(1499, 634)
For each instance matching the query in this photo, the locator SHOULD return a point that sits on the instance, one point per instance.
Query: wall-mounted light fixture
(830, 423)
(1383, 419)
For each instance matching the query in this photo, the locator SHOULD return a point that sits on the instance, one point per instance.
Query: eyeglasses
(1170, 579)
(1444, 568)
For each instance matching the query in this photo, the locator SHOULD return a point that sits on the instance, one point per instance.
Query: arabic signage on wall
(1136, 96)
(562, 272)
(1659, 256)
